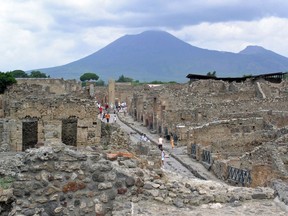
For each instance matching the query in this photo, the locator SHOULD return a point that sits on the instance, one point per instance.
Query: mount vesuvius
(158, 55)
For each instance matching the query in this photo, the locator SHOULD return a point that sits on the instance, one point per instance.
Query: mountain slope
(157, 55)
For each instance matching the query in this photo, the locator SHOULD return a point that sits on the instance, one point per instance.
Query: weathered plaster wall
(55, 86)
(49, 106)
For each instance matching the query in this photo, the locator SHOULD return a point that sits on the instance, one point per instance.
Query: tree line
(94, 77)
(122, 78)
(9, 78)
(23, 74)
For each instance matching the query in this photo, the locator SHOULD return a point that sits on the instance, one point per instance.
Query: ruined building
(47, 111)
(238, 130)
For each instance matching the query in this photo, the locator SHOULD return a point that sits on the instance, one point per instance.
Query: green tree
(89, 76)
(156, 82)
(122, 78)
(100, 83)
(38, 74)
(247, 75)
(212, 74)
(6, 79)
(19, 74)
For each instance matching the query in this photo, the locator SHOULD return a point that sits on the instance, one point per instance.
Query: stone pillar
(111, 92)
(91, 90)
(82, 134)
(41, 135)
(15, 129)
(53, 131)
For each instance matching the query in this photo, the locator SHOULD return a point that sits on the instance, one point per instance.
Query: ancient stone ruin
(50, 111)
(237, 130)
(58, 158)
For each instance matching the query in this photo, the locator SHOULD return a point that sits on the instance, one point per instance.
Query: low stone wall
(55, 86)
(56, 180)
(231, 135)
(60, 181)
(254, 168)
(281, 187)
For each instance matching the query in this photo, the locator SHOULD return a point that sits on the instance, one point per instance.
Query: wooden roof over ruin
(271, 77)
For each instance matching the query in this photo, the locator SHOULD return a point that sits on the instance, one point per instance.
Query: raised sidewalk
(179, 153)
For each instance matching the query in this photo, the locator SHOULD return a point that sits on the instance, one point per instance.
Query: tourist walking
(106, 106)
(162, 157)
(175, 139)
(172, 141)
(144, 138)
(107, 117)
(114, 118)
(160, 143)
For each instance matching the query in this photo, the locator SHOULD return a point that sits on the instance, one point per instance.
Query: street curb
(193, 171)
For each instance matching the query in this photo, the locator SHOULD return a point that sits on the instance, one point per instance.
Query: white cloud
(25, 15)
(36, 34)
(98, 37)
(234, 36)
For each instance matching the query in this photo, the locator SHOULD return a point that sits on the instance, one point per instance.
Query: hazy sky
(46, 33)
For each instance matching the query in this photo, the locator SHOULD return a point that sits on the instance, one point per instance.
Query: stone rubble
(57, 180)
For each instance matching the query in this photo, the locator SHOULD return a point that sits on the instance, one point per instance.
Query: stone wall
(33, 114)
(265, 164)
(234, 136)
(225, 119)
(204, 101)
(60, 181)
(101, 94)
(50, 115)
(241, 144)
(54, 86)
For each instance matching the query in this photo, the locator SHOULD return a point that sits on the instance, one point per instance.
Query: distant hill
(158, 55)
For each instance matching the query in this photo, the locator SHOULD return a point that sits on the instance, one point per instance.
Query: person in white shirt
(162, 157)
(145, 139)
(160, 142)
(141, 137)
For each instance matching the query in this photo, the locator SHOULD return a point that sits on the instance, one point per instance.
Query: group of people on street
(160, 142)
(143, 138)
(160, 146)
(105, 114)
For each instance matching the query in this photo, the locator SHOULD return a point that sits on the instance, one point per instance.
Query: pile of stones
(57, 180)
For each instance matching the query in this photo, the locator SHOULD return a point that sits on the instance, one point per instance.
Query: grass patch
(6, 182)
